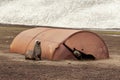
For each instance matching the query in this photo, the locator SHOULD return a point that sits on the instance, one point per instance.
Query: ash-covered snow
(62, 13)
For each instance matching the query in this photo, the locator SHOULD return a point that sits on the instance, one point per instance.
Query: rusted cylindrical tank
(52, 40)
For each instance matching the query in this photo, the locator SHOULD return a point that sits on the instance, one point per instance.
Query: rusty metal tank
(52, 40)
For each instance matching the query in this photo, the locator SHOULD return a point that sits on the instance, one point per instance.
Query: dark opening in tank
(79, 54)
(87, 57)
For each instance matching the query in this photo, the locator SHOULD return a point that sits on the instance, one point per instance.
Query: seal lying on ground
(79, 54)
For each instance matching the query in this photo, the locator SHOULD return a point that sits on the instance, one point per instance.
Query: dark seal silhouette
(79, 54)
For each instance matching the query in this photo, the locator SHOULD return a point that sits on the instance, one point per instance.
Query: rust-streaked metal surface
(21, 42)
(89, 43)
(63, 53)
(52, 39)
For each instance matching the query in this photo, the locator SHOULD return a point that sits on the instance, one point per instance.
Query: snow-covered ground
(62, 13)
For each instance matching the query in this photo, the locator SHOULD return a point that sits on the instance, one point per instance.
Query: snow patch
(62, 13)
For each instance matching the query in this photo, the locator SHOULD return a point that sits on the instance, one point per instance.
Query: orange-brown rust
(52, 40)
(21, 42)
(89, 43)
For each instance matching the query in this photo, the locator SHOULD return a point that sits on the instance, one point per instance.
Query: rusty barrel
(52, 40)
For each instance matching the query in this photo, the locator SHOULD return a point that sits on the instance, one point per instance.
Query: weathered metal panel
(89, 43)
(22, 40)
